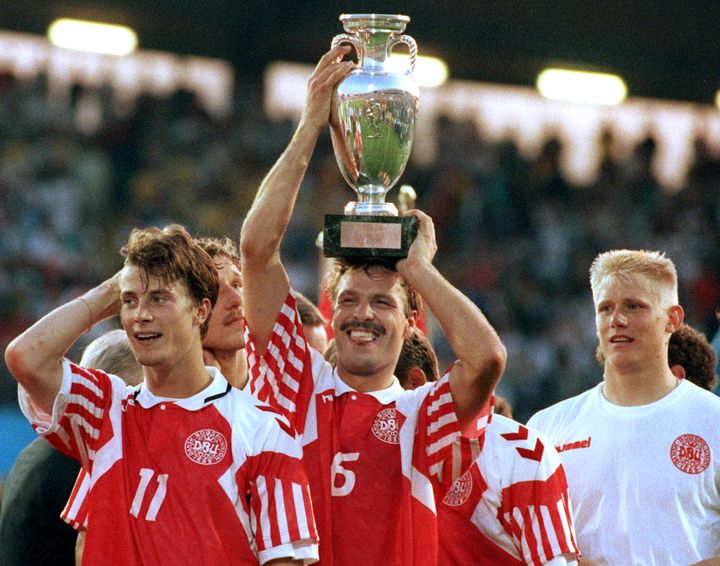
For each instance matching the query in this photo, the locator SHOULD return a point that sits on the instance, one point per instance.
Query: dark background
(661, 49)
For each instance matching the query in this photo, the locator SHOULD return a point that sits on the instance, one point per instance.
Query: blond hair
(623, 264)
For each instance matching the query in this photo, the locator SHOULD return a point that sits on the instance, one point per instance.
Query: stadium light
(429, 71)
(581, 86)
(81, 35)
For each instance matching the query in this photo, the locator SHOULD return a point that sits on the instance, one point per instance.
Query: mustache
(233, 316)
(362, 325)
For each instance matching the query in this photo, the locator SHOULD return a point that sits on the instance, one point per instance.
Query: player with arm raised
(184, 468)
(372, 451)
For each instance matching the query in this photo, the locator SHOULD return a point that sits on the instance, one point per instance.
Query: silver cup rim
(366, 20)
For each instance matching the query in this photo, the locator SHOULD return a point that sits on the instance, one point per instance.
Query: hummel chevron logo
(535, 454)
(522, 434)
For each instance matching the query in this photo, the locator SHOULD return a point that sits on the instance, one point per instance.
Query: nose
(363, 311)
(237, 298)
(143, 313)
(618, 319)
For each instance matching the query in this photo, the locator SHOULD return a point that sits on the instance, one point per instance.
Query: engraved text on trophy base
(371, 235)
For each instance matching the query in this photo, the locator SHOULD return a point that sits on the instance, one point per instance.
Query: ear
(676, 315)
(416, 377)
(203, 311)
(410, 325)
(678, 371)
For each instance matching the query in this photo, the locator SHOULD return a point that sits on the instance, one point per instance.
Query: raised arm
(34, 357)
(265, 283)
(480, 353)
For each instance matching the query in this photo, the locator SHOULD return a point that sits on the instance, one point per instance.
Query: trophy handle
(412, 49)
(352, 40)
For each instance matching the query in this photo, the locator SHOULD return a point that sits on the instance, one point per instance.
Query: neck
(233, 366)
(366, 383)
(634, 388)
(178, 382)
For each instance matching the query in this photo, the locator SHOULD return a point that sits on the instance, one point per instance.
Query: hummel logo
(522, 434)
(575, 445)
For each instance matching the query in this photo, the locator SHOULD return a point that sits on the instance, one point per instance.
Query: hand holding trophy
(372, 122)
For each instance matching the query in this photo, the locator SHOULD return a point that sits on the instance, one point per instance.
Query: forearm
(270, 214)
(34, 357)
(474, 341)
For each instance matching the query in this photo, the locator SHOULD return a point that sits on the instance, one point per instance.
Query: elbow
(492, 367)
(255, 245)
(18, 360)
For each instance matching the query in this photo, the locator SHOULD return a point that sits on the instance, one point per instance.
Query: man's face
(369, 321)
(160, 319)
(225, 331)
(632, 325)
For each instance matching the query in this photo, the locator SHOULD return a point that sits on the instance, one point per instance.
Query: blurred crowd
(514, 234)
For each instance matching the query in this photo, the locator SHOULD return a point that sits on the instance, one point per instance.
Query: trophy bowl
(372, 122)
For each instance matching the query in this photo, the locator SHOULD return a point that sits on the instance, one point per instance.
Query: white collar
(385, 396)
(217, 388)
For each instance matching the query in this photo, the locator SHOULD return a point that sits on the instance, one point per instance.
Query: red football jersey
(75, 511)
(512, 506)
(215, 478)
(376, 462)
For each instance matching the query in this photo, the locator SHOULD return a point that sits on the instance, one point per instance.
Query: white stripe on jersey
(437, 404)
(82, 379)
(441, 422)
(563, 511)
(89, 406)
(264, 516)
(229, 485)
(421, 489)
(86, 454)
(92, 431)
(518, 524)
(281, 399)
(548, 514)
(64, 437)
(300, 510)
(440, 443)
(280, 510)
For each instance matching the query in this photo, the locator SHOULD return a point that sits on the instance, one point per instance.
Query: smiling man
(377, 456)
(184, 468)
(641, 450)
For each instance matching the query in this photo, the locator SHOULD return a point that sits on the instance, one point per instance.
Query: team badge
(459, 491)
(386, 426)
(690, 454)
(206, 447)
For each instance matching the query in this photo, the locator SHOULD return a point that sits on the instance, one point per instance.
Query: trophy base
(368, 236)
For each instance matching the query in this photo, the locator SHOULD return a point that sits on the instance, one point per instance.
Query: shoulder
(700, 395)
(563, 411)
(516, 451)
(254, 416)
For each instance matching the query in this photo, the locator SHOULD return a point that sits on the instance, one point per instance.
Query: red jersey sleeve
(534, 504)
(76, 426)
(75, 511)
(282, 377)
(279, 504)
(446, 454)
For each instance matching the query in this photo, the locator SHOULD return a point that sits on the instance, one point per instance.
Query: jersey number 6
(338, 472)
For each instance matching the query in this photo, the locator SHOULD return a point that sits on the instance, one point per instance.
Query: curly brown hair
(219, 248)
(171, 255)
(691, 349)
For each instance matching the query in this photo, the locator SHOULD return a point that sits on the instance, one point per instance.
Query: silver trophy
(372, 122)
